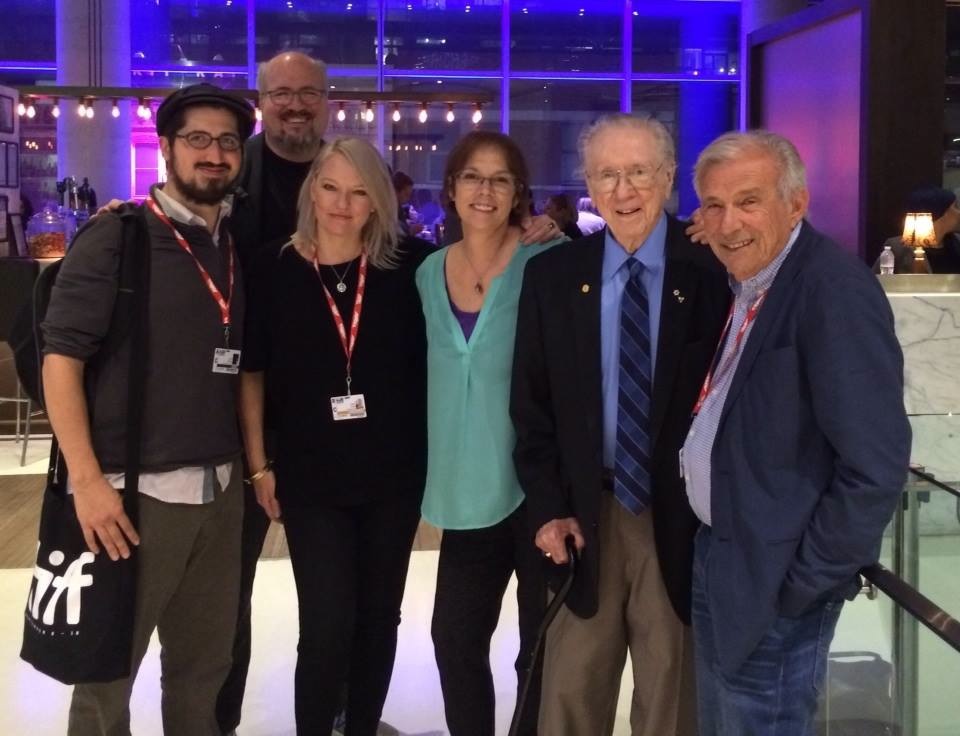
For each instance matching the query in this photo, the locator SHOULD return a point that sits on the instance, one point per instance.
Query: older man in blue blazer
(799, 447)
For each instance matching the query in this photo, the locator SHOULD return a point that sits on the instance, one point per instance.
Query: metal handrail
(915, 603)
(933, 481)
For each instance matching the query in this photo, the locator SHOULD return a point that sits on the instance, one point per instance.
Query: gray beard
(296, 148)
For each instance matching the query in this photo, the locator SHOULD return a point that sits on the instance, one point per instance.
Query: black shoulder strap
(130, 317)
(135, 277)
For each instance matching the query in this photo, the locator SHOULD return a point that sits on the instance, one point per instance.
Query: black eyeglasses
(284, 96)
(200, 140)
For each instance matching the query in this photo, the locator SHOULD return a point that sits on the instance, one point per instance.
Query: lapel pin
(678, 295)
(585, 288)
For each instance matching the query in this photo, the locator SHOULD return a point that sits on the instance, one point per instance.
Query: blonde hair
(381, 233)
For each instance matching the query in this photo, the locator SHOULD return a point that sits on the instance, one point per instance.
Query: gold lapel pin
(585, 288)
(678, 295)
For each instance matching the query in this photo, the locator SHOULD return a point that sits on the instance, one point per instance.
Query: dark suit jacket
(812, 448)
(556, 401)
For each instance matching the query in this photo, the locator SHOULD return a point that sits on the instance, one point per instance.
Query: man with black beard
(190, 509)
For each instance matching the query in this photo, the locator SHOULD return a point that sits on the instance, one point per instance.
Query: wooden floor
(20, 497)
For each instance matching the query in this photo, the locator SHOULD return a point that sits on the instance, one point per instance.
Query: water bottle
(886, 260)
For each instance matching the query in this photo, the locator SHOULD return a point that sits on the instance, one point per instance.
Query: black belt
(606, 479)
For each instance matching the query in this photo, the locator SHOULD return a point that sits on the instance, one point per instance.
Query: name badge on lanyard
(350, 406)
(225, 359)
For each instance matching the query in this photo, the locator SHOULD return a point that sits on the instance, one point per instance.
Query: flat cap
(206, 94)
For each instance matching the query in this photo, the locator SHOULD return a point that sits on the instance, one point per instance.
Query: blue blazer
(812, 449)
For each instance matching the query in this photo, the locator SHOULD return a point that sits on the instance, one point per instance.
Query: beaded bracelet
(260, 473)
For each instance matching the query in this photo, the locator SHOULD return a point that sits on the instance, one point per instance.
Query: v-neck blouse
(471, 482)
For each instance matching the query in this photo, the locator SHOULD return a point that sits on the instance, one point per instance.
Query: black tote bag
(78, 621)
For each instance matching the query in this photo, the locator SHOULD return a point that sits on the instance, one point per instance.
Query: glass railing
(894, 664)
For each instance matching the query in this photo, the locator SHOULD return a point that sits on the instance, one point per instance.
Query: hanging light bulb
(368, 113)
(396, 113)
(422, 115)
(21, 109)
(55, 110)
(115, 110)
(477, 115)
(31, 110)
(147, 111)
(341, 114)
(90, 112)
(450, 116)
(141, 112)
(82, 108)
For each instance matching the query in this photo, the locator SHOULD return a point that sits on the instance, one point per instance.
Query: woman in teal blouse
(470, 292)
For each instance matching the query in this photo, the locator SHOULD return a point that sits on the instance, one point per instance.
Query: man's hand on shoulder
(112, 206)
(101, 516)
(539, 229)
(551, 538)
(695, 230)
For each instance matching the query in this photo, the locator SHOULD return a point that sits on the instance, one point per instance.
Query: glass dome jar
(47, 233)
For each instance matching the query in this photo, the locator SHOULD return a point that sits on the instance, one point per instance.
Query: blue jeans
(774, 693)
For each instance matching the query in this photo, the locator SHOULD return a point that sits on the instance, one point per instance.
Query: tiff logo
(73, 580)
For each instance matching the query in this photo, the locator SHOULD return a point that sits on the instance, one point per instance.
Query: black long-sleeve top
(292, 337)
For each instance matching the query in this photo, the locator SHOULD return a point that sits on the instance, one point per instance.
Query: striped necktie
(631, 473)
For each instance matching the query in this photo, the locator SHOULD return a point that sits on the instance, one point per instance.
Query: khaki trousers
(188, 577)
(584, 658)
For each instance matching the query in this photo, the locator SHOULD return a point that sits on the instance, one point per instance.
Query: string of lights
(366, 102)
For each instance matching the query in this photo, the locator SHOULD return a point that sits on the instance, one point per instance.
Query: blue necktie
(631, 474)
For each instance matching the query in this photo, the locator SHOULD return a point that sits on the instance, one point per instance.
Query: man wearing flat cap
(187, 533)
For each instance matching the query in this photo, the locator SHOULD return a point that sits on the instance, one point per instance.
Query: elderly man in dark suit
(800, 445)
(615, 333)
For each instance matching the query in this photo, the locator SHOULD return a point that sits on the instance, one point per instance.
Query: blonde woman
(335, 363)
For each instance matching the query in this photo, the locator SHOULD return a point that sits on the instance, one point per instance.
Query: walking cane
(548, 617)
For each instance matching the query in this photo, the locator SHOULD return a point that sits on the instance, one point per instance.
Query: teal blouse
(471, 483)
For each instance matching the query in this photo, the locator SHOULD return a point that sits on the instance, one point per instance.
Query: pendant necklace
(478, 286)
(341, 287)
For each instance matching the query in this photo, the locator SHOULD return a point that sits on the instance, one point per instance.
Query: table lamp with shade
(918, 234)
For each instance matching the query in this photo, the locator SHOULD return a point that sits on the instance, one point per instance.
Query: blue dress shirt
(652, 254)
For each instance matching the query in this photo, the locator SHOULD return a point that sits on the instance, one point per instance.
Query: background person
(799, 449)
(942, 204)
(469, 292)
(558, 208)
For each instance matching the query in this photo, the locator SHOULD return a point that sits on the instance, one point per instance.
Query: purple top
(467, 320)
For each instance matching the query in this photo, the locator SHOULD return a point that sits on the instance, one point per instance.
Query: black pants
(475, 567)
(255, 526)
(350, 567)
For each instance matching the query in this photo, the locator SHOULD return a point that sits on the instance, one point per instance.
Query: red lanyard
(224, 304)
(348, 345)
(747, 320)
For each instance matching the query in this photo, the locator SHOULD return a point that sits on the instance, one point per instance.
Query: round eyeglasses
(639, 177)
(199, 139)
(284, 96)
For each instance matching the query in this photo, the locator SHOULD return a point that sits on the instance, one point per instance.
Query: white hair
(731, 146)
(659, 132)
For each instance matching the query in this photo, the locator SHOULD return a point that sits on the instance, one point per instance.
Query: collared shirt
(616, 271)
(180, 213)
(194, 484)
(698, 447)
